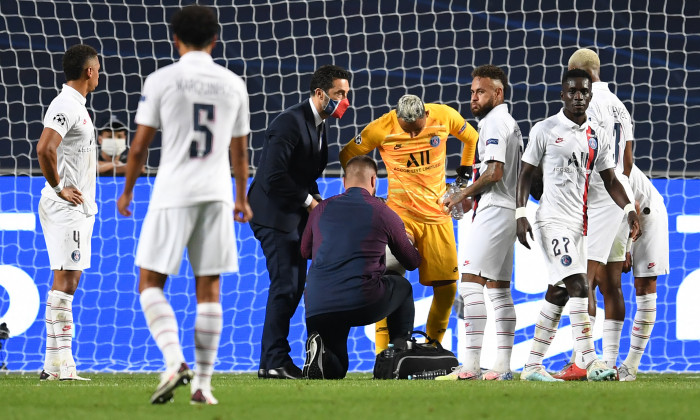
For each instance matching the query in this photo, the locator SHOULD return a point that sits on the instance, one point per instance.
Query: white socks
(62, 319)
(581, 330)
(612, 330)
(644, 320)
(52, 362)
(545, 330)
(579, 358)
(207, 333)
(474, 323)
(505, 326)
(161, 321)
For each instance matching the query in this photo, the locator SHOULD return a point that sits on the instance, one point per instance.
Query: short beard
(483, 110)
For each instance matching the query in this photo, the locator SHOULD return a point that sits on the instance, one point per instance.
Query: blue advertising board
(111, 333)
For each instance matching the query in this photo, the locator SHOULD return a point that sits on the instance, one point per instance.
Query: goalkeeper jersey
(415, 166)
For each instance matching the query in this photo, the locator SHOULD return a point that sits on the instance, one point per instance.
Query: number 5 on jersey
(202, 113)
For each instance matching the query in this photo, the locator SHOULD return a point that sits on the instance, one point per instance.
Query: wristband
(629, 208)
(520, 212)
(57, 189)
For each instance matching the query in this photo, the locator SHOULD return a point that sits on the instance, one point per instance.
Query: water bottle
(457, 211)
(429, 374)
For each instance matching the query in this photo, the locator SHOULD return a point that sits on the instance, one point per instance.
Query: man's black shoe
(262, 373)
(285, 372)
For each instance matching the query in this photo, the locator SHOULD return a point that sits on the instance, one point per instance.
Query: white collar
(563, 120)
(74, 93)
(317, 118)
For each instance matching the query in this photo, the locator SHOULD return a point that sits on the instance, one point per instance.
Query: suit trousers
(287, 271)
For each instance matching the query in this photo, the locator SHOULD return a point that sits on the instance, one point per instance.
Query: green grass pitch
(244, 396)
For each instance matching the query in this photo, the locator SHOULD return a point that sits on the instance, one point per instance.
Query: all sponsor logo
(566, 260)
(435, 141)
(75, 255)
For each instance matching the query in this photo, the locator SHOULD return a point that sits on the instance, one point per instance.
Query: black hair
(575, 73)
(324, 76)
(74, 60)
(493, 73)
(195, 25)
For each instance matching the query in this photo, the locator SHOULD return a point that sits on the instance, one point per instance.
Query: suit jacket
(290, 164)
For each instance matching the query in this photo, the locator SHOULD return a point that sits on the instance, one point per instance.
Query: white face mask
(113, 147)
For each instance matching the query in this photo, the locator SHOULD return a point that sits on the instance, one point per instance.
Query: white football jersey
(644, 191)
(610, 114)
(76, 154)
(200, 106)
(500, 139)
(568, 154)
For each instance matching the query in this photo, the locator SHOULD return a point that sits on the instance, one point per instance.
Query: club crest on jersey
(435, 141)
(61, 119)
(358, 139)
(491, 141)
(593, 143)
(75, 255)
(566, 260)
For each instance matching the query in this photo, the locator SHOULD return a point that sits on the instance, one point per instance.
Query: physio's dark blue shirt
(346, 238)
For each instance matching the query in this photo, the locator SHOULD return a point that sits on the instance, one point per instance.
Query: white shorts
(650, 251)
(564, 252)
(489, 249)
(205, 229)
(608, 233)
(68, 235)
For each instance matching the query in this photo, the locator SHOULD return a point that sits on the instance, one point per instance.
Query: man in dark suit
(283, 192)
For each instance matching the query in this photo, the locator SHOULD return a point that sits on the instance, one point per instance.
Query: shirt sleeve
(399, 244)
(241, 126)
(536, 146)
(495, 136)
(59, 119)
(147, 112)
(605, 159)
(461, 129)
(369, 139)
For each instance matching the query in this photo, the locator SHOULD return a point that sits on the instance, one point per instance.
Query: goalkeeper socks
(207, 333)
(579, 358)
(612, 329)
(381, 336)
(474, 323)
(545, 330)
(644, 320)
(162, 323)
(62, 318)
(581, 330)
(440, 310)
(504, 312)
(52, 362)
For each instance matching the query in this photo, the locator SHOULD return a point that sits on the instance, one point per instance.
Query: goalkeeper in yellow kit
(411, 140)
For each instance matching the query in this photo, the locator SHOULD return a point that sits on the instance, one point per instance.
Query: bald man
(608, 232)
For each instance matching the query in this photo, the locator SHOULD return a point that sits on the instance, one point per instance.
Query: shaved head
(586, 59)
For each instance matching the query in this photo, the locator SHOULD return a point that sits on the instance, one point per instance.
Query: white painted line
(17, 221)
(688, 224)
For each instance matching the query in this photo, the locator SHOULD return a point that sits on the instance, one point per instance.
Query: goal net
(650, 53)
